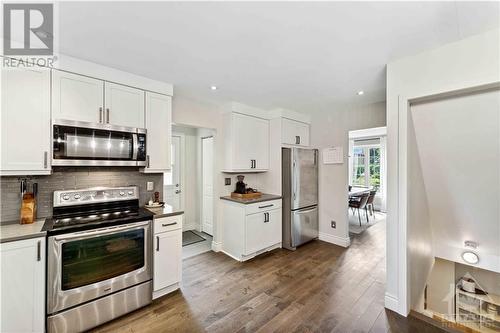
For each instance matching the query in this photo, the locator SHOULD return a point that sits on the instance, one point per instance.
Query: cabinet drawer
(169, 223)
(262, 206)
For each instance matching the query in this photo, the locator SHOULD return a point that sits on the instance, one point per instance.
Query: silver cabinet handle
(251, 164)
(107, 116)
(266, 206)
(100, 115)
(297, 139)
(39, 251)
(45, 159)
(266, 217)
(168, 224)
(157, 243)
(147, 161)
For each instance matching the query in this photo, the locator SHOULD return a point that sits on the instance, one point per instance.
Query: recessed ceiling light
(213, 87)
(470, 257)
(361, 92)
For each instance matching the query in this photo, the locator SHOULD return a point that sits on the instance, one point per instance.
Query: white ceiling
(296, 55)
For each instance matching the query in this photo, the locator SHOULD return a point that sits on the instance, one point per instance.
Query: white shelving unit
(471, 311)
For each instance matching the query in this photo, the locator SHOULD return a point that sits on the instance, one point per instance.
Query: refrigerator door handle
(307, 210)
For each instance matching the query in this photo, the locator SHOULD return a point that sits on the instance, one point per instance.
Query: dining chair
(358, 203)
(369, 203)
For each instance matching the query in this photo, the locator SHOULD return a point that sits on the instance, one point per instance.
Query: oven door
(86, 265)
(87, 144)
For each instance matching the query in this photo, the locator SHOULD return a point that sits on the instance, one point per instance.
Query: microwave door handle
(135, 146)
(98, 232)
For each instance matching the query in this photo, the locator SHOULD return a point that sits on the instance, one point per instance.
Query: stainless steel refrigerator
(300, 196)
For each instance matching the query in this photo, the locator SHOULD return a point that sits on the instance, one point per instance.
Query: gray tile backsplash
(69, 179)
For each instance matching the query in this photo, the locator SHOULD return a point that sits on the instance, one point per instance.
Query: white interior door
(207, 164)
(172, 179)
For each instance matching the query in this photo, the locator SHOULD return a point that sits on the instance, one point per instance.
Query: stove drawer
(168, 223)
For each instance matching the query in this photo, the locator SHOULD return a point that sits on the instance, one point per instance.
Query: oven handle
(98, 232)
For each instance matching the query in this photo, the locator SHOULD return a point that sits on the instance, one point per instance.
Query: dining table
(356, 191)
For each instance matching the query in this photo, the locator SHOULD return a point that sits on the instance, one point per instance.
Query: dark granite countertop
(264, 197)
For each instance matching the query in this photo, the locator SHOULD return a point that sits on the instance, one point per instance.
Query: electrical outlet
(334, 225)
(150, 186)
(227, 181)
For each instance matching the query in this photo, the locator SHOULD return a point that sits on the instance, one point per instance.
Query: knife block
(28, 208)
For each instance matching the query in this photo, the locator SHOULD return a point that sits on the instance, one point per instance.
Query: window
(366, 167)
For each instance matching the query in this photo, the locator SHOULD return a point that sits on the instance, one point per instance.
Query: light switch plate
(150, 186)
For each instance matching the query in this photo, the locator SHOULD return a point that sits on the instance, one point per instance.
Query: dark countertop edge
(23, 237)
(265, 197)
(158, 215)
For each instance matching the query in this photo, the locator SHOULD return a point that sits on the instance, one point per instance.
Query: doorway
(189, 185)
(367, 178)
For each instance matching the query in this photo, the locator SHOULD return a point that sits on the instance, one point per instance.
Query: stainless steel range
(99, 257)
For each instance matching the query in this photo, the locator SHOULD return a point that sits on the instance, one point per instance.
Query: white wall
(465, 64)
(458, 143)
(420, 249)
(328, 130)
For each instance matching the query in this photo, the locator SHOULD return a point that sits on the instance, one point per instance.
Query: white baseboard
(166, 290)
(216, 246)
(391, 303)
(340, 241)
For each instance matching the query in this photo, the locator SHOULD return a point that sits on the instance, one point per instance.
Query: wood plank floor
(318, 288)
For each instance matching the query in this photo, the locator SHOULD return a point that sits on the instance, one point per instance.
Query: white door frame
(202, 184)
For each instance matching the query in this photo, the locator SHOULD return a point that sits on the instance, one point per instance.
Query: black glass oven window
(94, 144)
(91, 260)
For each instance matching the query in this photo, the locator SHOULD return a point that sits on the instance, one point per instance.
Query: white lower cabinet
(251, 229)
(22, 292)
(167, 263)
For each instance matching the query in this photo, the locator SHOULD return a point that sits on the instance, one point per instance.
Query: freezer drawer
(304, 225)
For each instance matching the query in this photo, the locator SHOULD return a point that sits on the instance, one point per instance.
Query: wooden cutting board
(253, 195)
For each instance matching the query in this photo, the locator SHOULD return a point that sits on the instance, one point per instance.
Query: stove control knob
(130, 192)
(65, 197)
(122, 193)
(77, 196)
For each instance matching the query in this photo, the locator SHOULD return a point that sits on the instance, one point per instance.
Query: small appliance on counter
(29, 194)
(244, 192)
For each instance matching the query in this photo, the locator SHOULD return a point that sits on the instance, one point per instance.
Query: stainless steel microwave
(77, 143)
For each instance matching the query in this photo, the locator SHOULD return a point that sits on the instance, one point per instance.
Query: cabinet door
(124, 105)
(159, 132)
(22, 290)
(262, 230)
(77, 97)
(25, 122)
(294, 132)
(251, 142)
(167, 259)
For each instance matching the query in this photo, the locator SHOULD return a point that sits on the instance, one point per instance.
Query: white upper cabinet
(22, 290)
(158, 126)
(294, 132)
(124, 106)
(25, 122)
(77, 97)
(247, 143)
